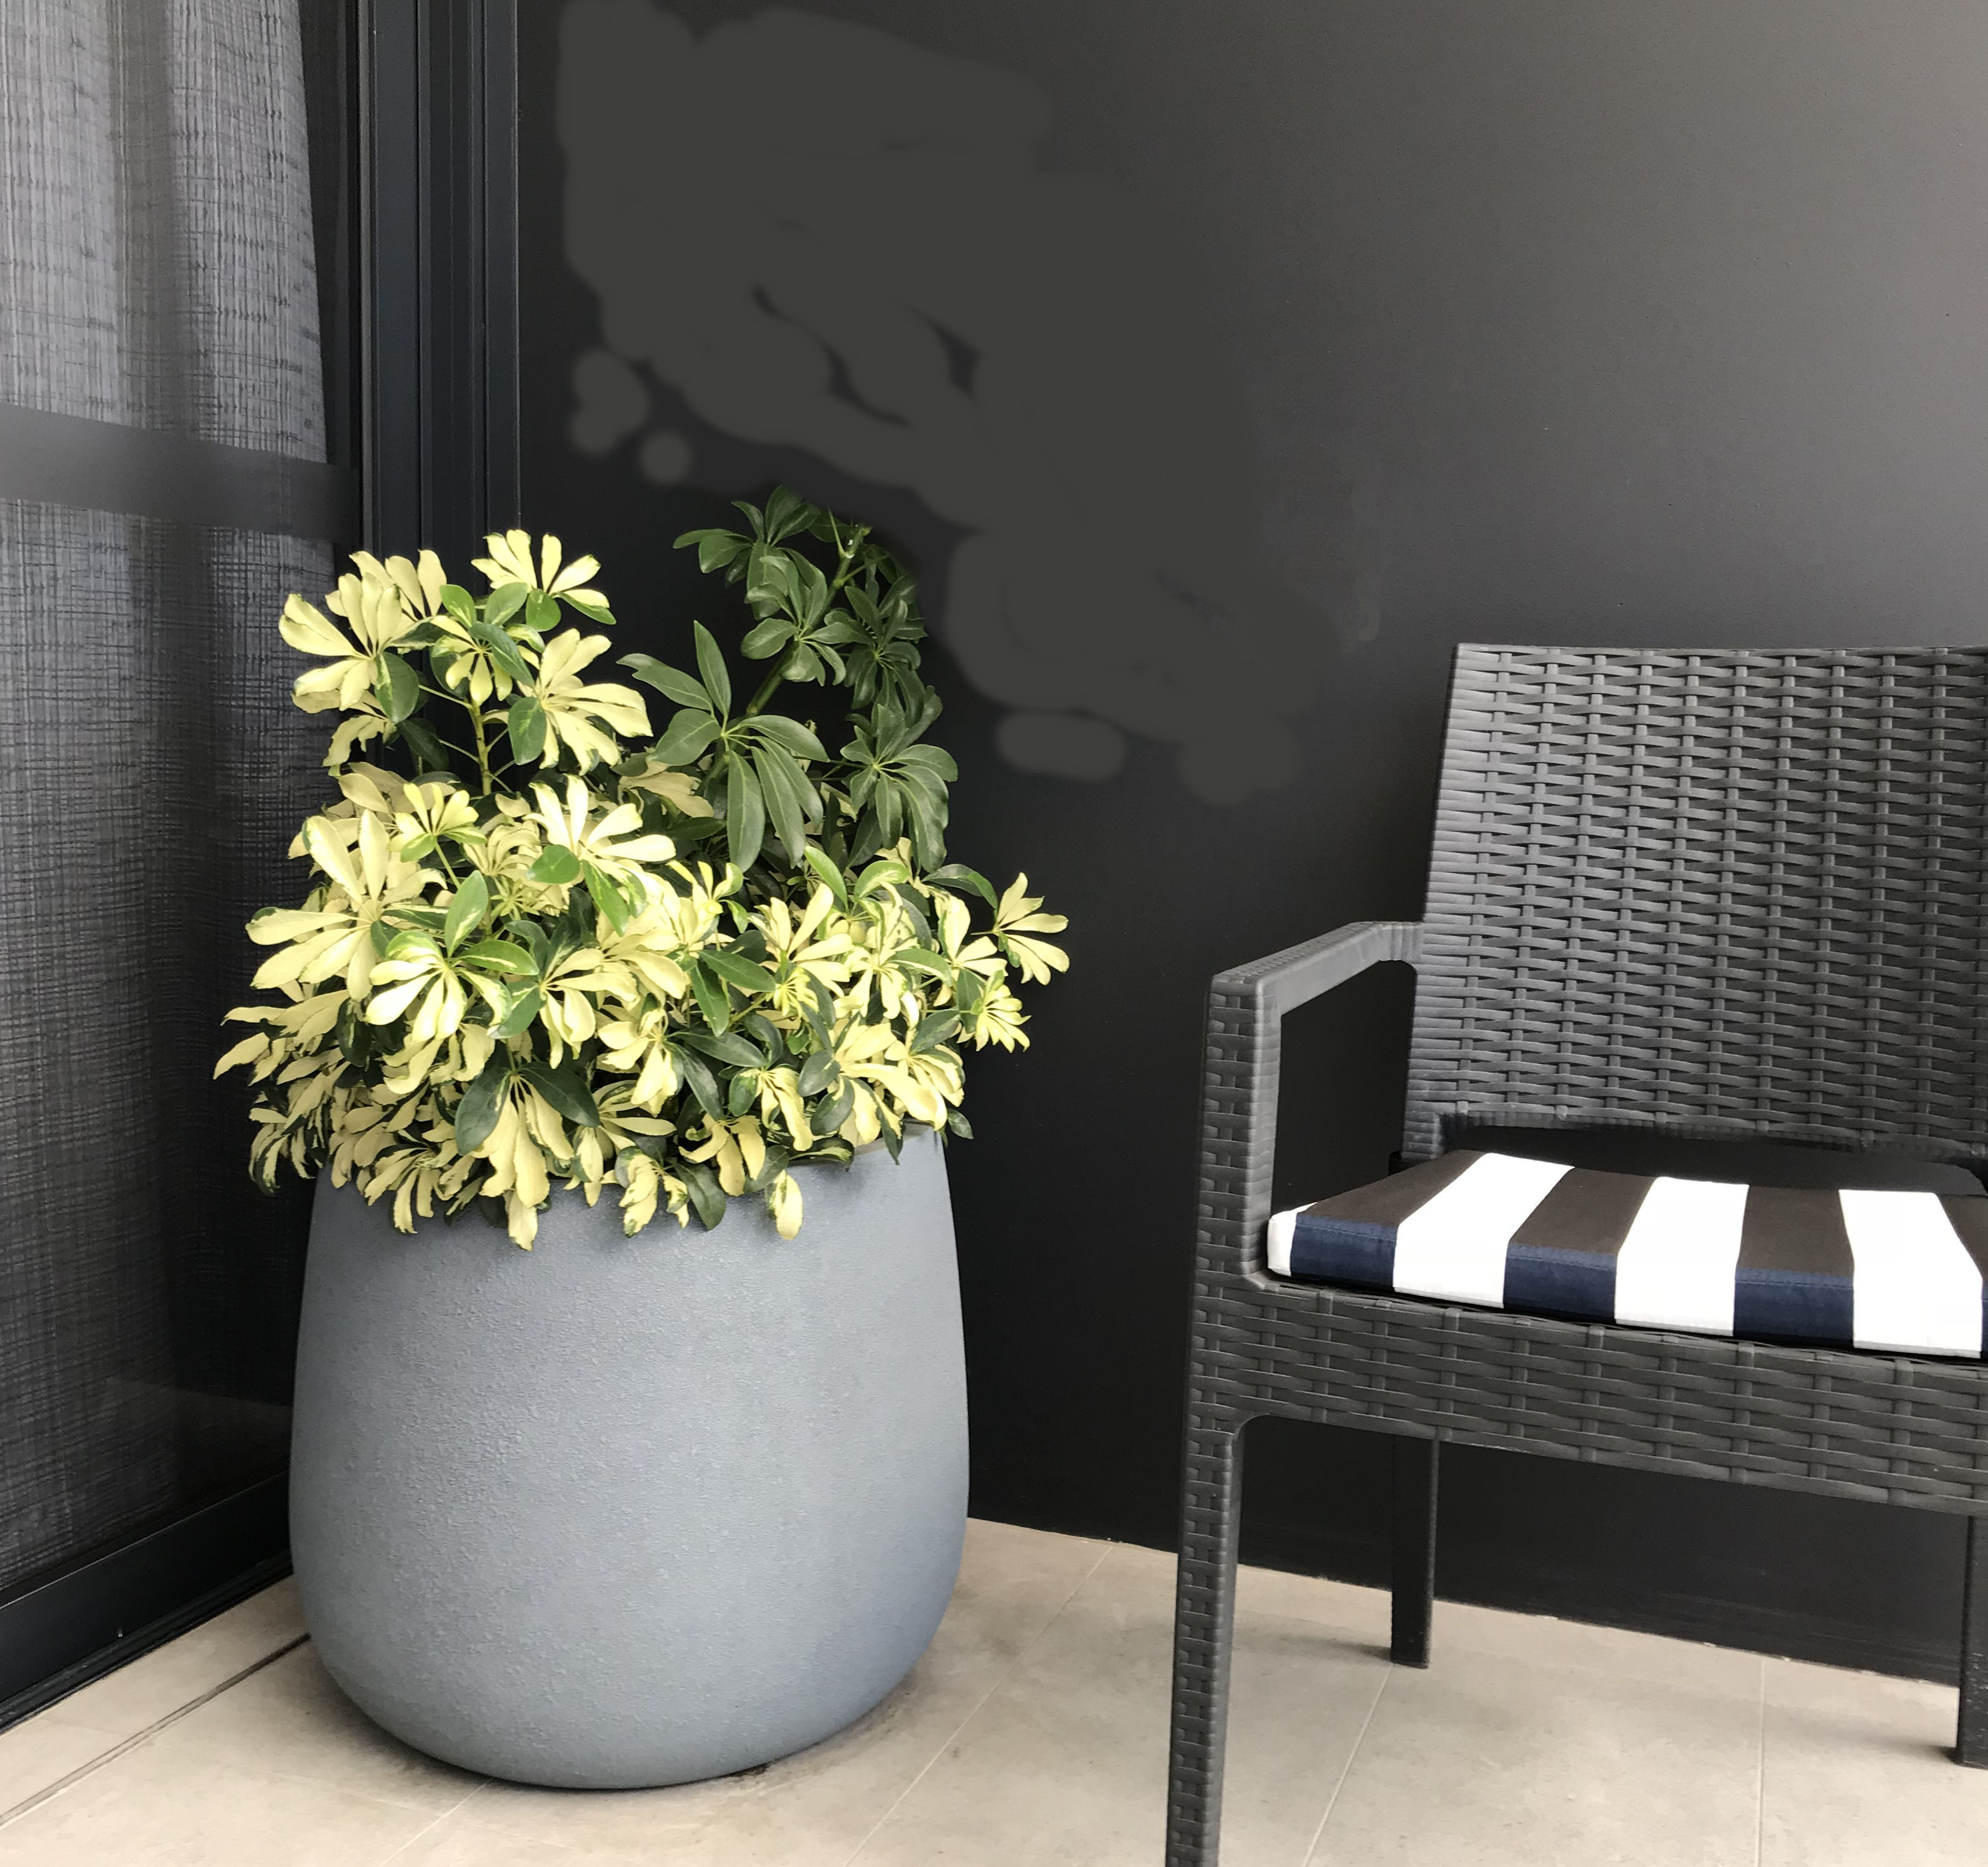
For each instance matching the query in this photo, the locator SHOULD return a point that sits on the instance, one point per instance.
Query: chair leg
(1204, 1621)
(1413, 1552)
(1971, 1741)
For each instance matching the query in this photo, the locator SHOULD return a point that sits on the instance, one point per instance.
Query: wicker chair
(1730, 893)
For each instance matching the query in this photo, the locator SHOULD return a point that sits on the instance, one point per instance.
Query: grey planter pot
(616, 1513)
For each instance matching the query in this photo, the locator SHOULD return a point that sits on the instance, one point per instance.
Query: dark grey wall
(1224, 365)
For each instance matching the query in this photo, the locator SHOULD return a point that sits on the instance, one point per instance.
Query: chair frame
(1893, 1428)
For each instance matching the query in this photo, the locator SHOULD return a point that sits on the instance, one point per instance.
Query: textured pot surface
(618, 1512)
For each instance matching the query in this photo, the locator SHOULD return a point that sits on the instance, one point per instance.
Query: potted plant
(681, 1487)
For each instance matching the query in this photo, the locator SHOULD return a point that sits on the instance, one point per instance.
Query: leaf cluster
(545, 945)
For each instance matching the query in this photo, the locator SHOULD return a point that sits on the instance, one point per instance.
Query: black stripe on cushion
(1970, 1220)
(1561, 1260)
(1349, 1238)
(1794, 1281)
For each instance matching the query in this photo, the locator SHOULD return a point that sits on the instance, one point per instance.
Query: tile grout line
(1760, 1775)
(453, 1809)
(116, 1750)
(1346, 1770)
(995, 1685)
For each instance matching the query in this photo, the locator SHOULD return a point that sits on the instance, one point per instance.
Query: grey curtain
(156, 275)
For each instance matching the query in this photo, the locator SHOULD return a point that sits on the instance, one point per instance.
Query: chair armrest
(1239, 1073)
(1299, 974)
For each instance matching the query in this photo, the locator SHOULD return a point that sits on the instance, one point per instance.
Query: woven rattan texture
(1734, 891)
(1889, 1429)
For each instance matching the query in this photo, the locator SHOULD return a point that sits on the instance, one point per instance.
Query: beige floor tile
(1065, 1764)
(290, 1718)
(43, 1749)
(1488, 1761)
(814, 1810)
(457, 1841)
(147, 1809)
(1858, 1770)
(157, 1684)
(1359, 1615)
(1543, 1641)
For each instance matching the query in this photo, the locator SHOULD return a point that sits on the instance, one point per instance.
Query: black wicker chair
(1728, 895)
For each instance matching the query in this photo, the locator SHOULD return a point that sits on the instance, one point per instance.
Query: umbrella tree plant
(546, 946)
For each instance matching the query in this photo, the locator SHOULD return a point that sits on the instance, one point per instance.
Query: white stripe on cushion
(1677, 1266)
(1454, 1247)
(1916, 1287)
(1282, 1226)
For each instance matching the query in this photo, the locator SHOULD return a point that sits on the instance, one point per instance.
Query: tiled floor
(1033, 1735)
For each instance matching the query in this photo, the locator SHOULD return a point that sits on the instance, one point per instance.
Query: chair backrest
(1714, 892)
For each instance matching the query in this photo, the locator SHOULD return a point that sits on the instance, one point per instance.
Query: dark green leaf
(927, 827)
(789, 734)
(356, 1039)
(525, 723)
(533, 938)
(398, 689)
(729, 1047)
(711, 999)
(556, 867)
(830, 873)
(608, 897)
(736, 970)
(459, 604)
(711, 666)
(933, 1031)
(667, 680)
(881, 874)
(787, 513)
(430, 754)
(690, 733)
(826, 1120)
(894, 1143)
(706, 1197)
(518, 1019)
(770, 1168)
(746, 815)
(505, 602)
(810, 589)
(819, 1072)
(593, 612)
(958, 1124)
(768, 638)
(788, 797)
(767, 580)
(744, 1092)
(715, 549)
(471, 902)
(541, 611)
(922, 959)
(498, 956)
(955, 873)
(765, 1032)
(482, 1103)
(697, 1073)
(564, 1088)
(500, 649)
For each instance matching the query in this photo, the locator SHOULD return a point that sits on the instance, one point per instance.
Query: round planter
(616, 1513)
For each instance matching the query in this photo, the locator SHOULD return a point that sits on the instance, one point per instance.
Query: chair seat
(1893, 1271)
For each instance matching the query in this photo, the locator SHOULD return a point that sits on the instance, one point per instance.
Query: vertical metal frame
(438, 343)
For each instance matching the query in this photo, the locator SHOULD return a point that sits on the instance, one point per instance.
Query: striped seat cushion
(1896, 1271)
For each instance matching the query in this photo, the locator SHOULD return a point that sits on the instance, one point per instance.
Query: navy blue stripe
(1577, 1283)
(1793, 1306)
(1343, 1251)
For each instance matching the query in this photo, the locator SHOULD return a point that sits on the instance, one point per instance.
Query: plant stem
(475, 711)
(767, 688)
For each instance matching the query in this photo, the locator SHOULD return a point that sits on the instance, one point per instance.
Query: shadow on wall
(820, 236)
